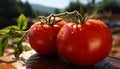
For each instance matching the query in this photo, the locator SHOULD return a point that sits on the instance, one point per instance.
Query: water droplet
(50, 38)
(38, 28)
(39, 25)
(83, 28)
(44, 30)
(80, 29)
(101, 27)
(72, 32)
(34, 28)
(74, 26)
(95, 25)
(79, 25)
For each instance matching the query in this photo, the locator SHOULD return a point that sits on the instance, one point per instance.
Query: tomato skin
(42, 37)
(84, 44)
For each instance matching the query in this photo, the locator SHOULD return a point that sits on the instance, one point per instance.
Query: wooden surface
(37, 61)
(32, 60)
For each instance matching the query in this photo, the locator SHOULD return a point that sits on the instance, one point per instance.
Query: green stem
(62, 14)
(74, 16)
(22, 38)
(19, 44)
(49, 19)
(25, 34)
(42, 19)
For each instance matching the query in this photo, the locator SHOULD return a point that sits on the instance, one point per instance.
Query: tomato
(42, 37)
(84, 44)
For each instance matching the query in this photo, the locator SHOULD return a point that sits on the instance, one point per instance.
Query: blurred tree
(28, 11)
(90, 6)
(9, 8)
(93, 2)
(74, 6)
(109, 6)
(21, 4)
(56, 11)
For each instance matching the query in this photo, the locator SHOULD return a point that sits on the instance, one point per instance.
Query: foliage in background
(112, 6)
(11, 9)
(74, 6)
(57, 11)
(26, 9)
(109, 6)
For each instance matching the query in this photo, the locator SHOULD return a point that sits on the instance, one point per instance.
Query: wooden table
(37, 61)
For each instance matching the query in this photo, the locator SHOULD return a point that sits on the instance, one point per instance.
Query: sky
(56, 3)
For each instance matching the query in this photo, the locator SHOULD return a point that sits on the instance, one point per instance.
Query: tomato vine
(11, 31)
(20, 28)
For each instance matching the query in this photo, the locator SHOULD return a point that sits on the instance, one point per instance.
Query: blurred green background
(11, 9)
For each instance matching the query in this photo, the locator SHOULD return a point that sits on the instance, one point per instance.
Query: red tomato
(42, 37)
(84, 44)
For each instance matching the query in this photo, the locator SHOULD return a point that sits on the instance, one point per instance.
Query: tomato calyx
(55, 18)
(74, 17)
(50, 20)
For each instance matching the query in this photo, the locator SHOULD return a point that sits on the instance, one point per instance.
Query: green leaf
(1, 51)
(8, 30)
(12, 27)
(22, 22)
(4, 31)
(5, 41)
(18, 32)
(26, 48)
(14, 31)
(16, 49)
(3, 44)
(18, 42)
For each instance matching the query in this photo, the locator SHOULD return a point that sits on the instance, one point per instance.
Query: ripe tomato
(84, 44)
(42, 37)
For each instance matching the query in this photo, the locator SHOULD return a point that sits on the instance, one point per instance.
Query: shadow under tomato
(38, 61)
